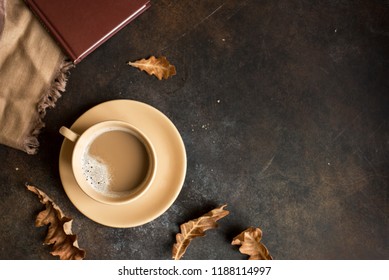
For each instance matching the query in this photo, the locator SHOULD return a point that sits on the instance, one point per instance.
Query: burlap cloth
(33, 72)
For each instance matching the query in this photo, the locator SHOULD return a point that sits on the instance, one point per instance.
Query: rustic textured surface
(283, 108)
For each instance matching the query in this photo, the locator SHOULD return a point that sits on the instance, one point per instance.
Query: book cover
(80, 27)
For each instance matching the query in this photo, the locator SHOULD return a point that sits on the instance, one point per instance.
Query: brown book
(80, 26)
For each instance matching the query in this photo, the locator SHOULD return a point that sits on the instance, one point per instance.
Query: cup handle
(68, 134)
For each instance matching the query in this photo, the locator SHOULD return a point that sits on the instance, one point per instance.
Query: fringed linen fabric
(33, 74)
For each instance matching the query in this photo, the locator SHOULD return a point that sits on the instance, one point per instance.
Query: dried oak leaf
(250, 244)
(159, 67)
(59, 233)
(196, 228)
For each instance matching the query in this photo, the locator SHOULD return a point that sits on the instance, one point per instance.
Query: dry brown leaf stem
(159, 67)
(59, 233)
(196, 228)
(250, 244)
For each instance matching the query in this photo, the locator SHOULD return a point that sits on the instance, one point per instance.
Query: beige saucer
(170, 174)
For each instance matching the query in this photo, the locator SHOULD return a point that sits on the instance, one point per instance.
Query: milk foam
(97, 174)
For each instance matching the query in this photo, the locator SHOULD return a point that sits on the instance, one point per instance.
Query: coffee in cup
(113, 162)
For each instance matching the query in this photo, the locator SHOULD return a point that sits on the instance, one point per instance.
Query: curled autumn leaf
(59, 233)
(196, 228)
(250, 244)
(159, 67)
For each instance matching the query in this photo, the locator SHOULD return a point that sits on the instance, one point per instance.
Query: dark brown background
(283, 108)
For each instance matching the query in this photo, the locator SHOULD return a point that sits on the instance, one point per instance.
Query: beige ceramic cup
(113, 162)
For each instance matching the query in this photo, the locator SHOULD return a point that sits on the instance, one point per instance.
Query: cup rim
(80, 147)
